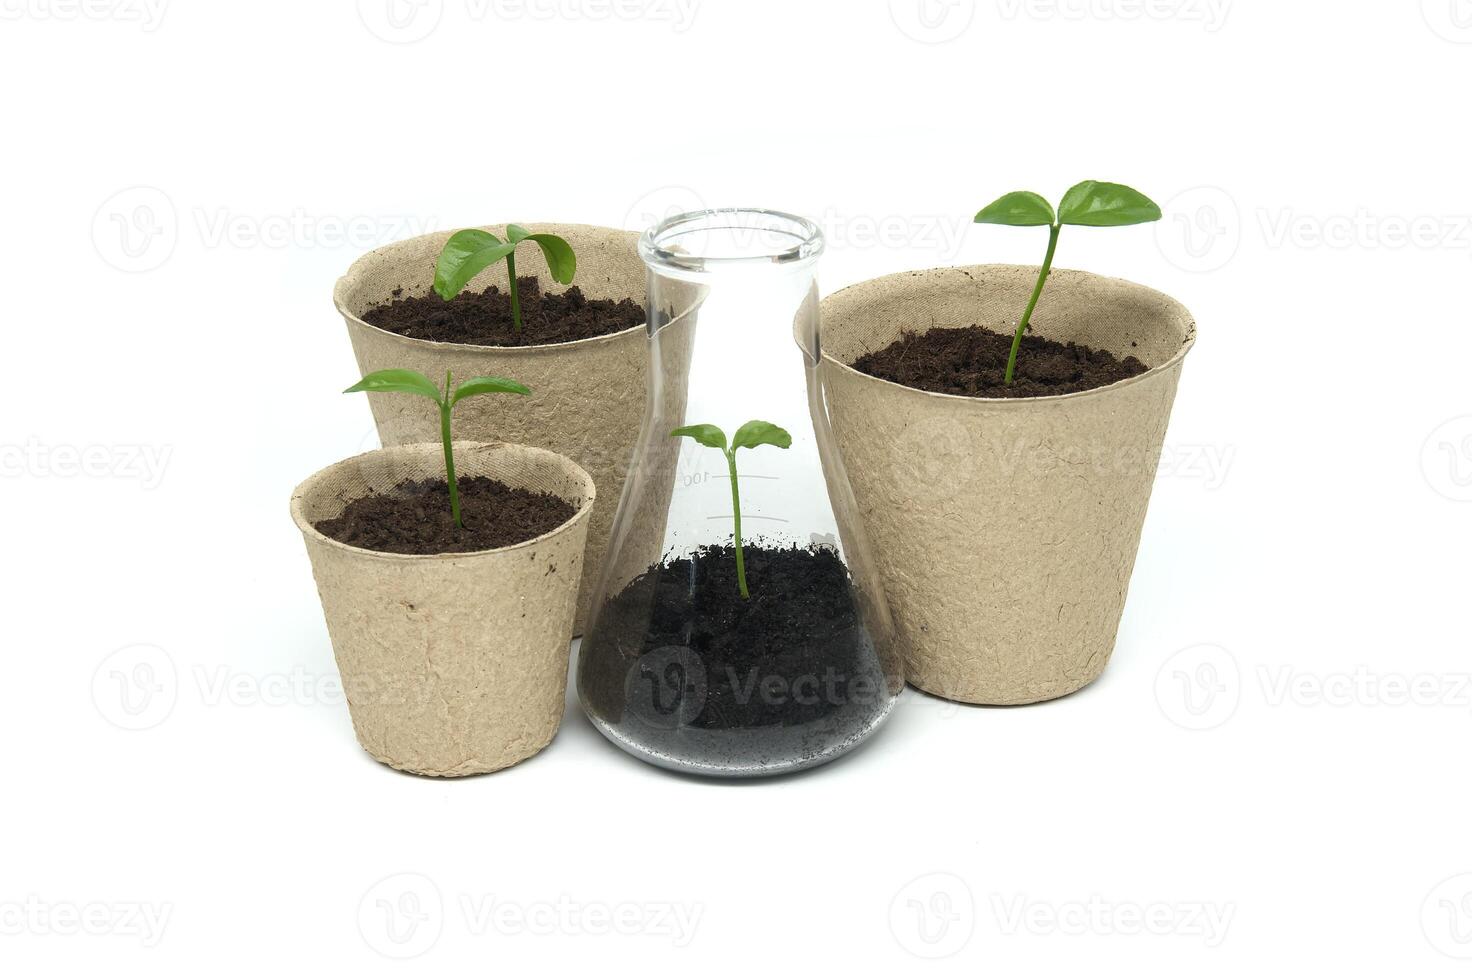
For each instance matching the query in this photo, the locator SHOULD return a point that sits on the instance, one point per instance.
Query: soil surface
(973, 361)
(682, 666)
(414, 518)
(485, 317)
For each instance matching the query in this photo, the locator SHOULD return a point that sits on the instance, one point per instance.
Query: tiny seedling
(749, 436)
(469, 252)
(1092, 202)
(414, 383)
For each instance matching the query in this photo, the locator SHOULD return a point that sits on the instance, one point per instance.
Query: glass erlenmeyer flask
(739, 628)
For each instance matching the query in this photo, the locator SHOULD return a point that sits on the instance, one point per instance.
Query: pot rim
(1018, 404)
(351, 276)
(306, 486)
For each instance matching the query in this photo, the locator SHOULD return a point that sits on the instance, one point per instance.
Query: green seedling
(1092, 202)
(414, 383)
(469, 252)
(749, 436)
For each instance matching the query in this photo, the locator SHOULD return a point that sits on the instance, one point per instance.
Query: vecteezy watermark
(407, 21)
(136, 687)
(147, 14)
(1362, 687)
(1201, 229)
(668, 687)
(941, 234)
(401, 21)
(1450, 19)
(401, 916)
(1210, 14)
(1446, 917)
(141, 463)
(933, 916)
(35, 916)
(221, 227)
(932, 21)
(662, 203)
(1206, 463)
(139, 686)
(404, 915)
(1200, 687)
(1097, 916)
(136, 229)
(564, 915)
(1365, 229)
(1446, 459)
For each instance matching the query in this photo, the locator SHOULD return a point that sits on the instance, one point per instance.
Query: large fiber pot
(587, 397)
(453, 664)
(1005, 529)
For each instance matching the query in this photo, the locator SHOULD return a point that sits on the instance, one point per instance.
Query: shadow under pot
(587, 396)
(453, 662)
(1005, 528)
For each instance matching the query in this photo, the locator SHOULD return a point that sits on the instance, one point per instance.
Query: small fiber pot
(1005, 529)
(588, 396)
(453, 664)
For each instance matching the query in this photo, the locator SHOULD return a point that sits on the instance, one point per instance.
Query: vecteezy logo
(1201, 229)
(401, 21)
(1199, 687)
(136, 229)
(661, 204)
(932, 21)
(666, 688)
(933, 916)
(1446, 917)
(1450, 19)
(1446, 458)
(402, 916)
(136, 687)
(945, 460)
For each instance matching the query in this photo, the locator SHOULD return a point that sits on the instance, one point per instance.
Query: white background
(183, 181)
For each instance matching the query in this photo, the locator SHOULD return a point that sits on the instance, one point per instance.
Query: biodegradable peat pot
(453, 664)
(1005, 529)
(588, 396)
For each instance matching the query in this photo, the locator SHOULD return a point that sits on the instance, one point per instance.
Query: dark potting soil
(414, 517)
(485, 317)
(973, 361)
(682, 667)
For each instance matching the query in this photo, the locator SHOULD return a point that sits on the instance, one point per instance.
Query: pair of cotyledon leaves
(1092, 202)
(414, 383)
(470, 251)
(749, 436)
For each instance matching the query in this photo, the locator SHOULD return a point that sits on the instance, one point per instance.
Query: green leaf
(560, 260)
(758, 433)
(706, 435)
(516, 233)
(489, 386)
(1021, 208)
(463, 258)
(1103, 205)
(400, 380)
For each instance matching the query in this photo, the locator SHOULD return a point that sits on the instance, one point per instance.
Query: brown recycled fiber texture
(588, 396)
(1005, 529)
(453, 664)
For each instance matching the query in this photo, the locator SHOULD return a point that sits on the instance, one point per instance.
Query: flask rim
(705, 241)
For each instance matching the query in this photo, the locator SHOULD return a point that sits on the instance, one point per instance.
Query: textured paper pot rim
(349, 280)
(1019, 404)
(307, 486)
